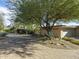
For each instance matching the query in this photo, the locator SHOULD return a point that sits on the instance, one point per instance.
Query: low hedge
(67, 38)
(72, 40)
(75, 41)
(3, 34)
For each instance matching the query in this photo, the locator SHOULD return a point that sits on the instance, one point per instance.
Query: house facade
(60, 31)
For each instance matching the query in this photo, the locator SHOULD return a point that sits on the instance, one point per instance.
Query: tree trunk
(48, 27)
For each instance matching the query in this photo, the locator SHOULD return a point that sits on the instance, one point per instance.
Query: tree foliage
(29, 11)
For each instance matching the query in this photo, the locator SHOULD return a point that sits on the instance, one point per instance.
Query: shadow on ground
(21, 46)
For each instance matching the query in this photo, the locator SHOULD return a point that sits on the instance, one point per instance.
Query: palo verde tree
(29, 11)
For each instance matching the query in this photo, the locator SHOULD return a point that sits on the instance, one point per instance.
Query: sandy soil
(41, 52)
(21, 48)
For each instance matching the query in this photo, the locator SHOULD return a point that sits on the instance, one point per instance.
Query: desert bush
(7, 30)
(21, 31)
(75, 41)
(30, 32)
(67, 38)
(3, 34)
(72, 40)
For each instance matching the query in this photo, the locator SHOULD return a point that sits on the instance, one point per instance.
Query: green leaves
(33, 9)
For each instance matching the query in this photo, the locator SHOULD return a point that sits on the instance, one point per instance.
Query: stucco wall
(69, 32)
(56, 31)
(77, 32)
(61, 32)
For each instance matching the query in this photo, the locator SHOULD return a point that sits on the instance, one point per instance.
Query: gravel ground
(25, 48)
(43, 52)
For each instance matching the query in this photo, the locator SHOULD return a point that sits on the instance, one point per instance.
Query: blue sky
(3, 3)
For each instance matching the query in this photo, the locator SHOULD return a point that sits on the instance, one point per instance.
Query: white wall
(70, 32)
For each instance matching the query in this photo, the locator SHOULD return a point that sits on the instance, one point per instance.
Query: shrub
(72, 40)
(30, 32)
(3, 34)
(75, 41)
(21, 31)
(67, 38)
(7, 30)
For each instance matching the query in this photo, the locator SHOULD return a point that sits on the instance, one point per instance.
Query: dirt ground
(28, 48)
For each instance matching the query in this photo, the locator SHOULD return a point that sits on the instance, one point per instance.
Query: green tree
(29, 11)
